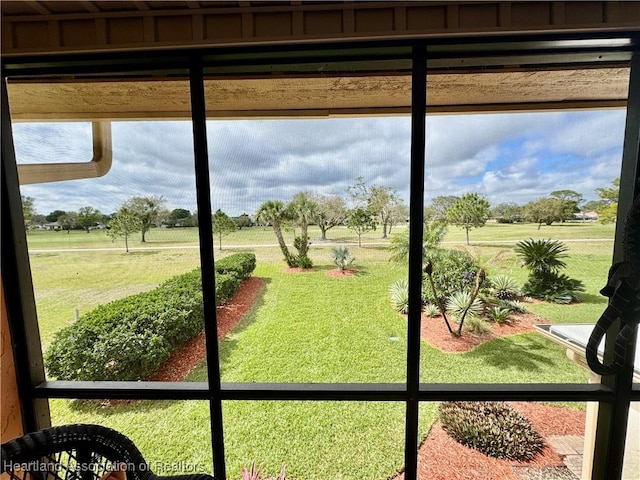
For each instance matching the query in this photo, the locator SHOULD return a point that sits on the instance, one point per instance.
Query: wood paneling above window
(89, 25)
(320, 96)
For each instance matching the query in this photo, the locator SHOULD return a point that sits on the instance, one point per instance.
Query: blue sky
(515, 157)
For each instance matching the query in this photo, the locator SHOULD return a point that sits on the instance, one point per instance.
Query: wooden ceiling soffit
(319, 96)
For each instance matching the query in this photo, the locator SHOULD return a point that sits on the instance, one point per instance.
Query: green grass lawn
(305, 327)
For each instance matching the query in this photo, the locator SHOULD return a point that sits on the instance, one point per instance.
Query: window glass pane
(53, 142)
(114, 259)
(522, 205)
(315, 440)
(513, 440)
(316, 201)
(174, 437)
(632, 448)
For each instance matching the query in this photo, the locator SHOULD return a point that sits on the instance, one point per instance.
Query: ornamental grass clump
(493, 428)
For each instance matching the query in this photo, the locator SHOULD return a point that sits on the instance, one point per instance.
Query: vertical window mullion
(613, 417)
(416, 215)
(205, 233)
(18, 287)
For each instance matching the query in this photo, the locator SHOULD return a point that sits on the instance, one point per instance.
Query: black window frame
(613, 394)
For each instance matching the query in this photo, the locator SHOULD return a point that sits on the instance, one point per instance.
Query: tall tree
(28, 209)
(572, 201)
(302, 210)
(544, 210)
(398, 215)
(439, 206)
(123, 224)
(148, 210)
(361, 220)
(384, 201)
(381, 201)
(609, 196)
(68, 221)
(507, 212)
(274, 212)
(243, 221)
(332, 211)
(53, 216)
(88, 217)
(222, 225)
(470, 211)
(179, 216)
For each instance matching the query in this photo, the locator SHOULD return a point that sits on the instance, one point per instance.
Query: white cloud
(508, 157)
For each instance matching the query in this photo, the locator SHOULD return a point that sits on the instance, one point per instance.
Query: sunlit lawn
(306, 327)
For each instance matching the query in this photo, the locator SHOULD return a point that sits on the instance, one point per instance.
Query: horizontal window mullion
(324, 391)
(530, 392)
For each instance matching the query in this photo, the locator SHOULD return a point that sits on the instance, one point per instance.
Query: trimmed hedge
(241, 265)
(129, 338)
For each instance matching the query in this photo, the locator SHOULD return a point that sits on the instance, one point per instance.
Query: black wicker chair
(77, 452)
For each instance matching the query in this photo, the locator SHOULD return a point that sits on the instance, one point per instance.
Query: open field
(305, 327)
(168, 237)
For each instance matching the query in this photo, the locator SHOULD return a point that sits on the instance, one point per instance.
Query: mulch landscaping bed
(183, 360)
(435, 332)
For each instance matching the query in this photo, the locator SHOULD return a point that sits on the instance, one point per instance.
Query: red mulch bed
(337, 273)
(182, 361)
(440, 457)
(435, 332)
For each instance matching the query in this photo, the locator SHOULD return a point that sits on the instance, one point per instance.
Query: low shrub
(129, 338)
(553, 287)
(240, 264)
(476, 326)
(493, 428)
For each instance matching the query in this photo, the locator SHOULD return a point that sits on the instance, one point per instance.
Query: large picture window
(295, 251)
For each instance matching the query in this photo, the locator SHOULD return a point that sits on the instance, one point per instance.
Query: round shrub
(452, 271)
(493, 428)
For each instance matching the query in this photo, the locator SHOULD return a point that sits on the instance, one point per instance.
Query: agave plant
(431, 310)
(460, 303)
(498, 314)
(513, 306)
(504, 287)
(399, 291)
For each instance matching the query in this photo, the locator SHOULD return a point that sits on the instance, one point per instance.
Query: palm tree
(301, 210)
(432, 235)
(274, 213)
